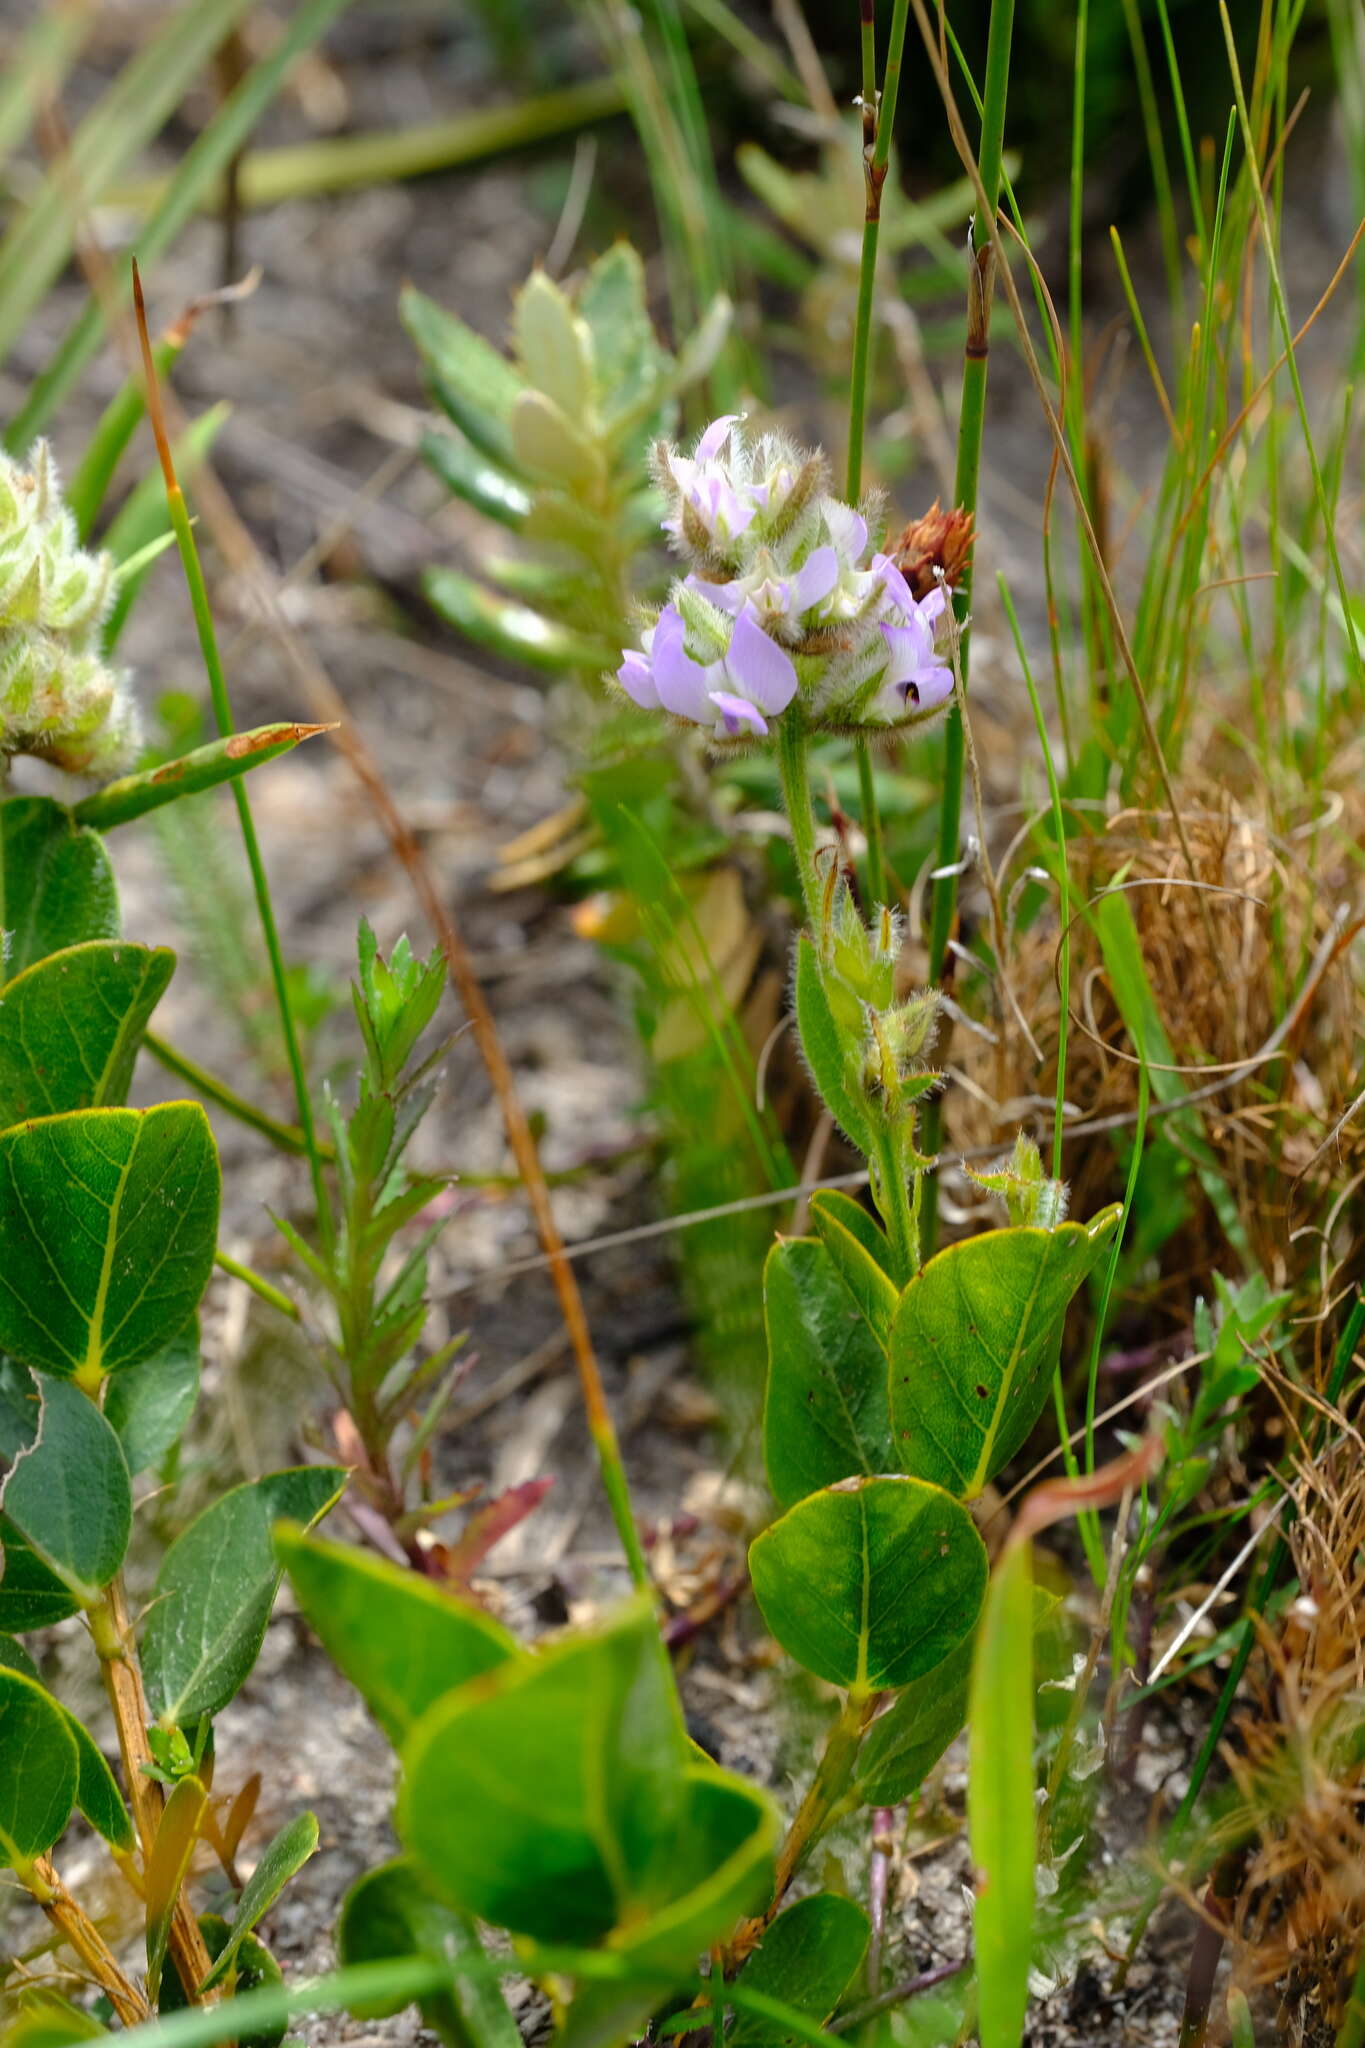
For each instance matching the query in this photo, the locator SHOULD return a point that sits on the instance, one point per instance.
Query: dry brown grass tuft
(1257, 956)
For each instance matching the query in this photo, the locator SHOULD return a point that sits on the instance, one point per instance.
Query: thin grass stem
(971, 419)
(222, 711)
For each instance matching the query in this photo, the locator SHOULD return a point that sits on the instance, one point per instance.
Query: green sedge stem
(981, 257)
(288, 1137)
(794, 767)
(879, 120)
(258, 1285)
(222, 711)
(265, 909)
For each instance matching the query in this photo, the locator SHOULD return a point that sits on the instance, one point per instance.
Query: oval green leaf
(215, 1590)
(38, 1770)
(826, 1416)
(56, 884)
(871, 1583)
(71, 1024)
(97, 1792)
(823, 1044)
(69, 1494)
(974, 1345)
(393, 1911)
(807, 1959)
(148, 1405)
(31, 1596)
(285, 1854)
(108, 1224)
(862, 1253)
(401, 1640)
(544, 1796)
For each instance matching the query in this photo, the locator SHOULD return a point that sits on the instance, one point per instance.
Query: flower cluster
(58, 696)
(781, 599)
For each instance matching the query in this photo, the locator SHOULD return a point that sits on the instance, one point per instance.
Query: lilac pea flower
(636, 678)
(715, 437)
(847, 530)
(914, 679)
(752, 677)
(777, 599)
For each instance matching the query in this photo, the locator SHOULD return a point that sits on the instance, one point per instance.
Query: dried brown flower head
(938, 543)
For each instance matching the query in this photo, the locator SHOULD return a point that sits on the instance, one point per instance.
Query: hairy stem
(815, 1813)
(794, 765)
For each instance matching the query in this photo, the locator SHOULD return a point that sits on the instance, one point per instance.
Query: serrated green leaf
(393, 1911)
(826, 1415)
(511, 630)
(283, 1855)
(148, 1405)
(475, 479)
(71, 1024)
(871, 1583)
(56, 884)
(974, 1345)
(544, 1796)
(807, 1959)
(215, 1590)
(69, 1494)
(108, 1226)
(38, 1770)
(400, 1639)
(1001, 1813)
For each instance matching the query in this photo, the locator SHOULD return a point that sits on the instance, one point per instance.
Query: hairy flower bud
(59, 698)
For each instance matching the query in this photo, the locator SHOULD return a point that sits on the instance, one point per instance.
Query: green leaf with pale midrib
(974, 1345)
(806, 1959)
(69, 1494)
(403, 1641)
(38, 1770)
(108, 1225)
(56, 884)
(826, 1415)
(216, 1587)
(870, 1583)
(70, 1027)
(285, 1854)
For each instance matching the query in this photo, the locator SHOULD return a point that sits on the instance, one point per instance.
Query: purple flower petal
(758, 666)
(897, 588)
(932, 687)
(847, 529)
(737, 713)
(815, 579)
(714, 439)
(726, 597)
(934, 605)
(911, 648)
(680, 681)
(636, 678)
